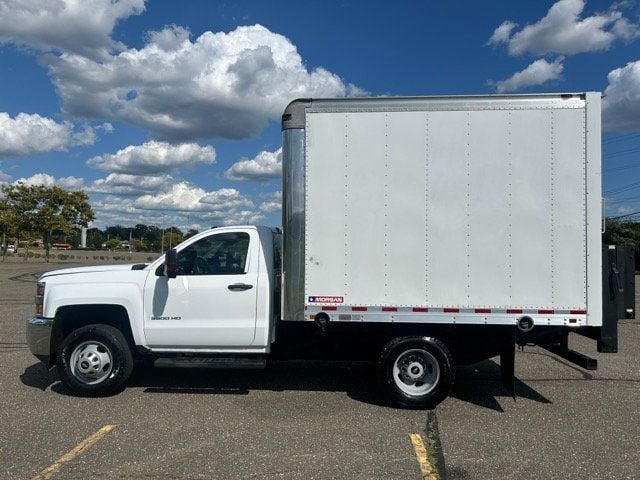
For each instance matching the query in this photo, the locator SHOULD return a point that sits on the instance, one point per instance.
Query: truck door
(212, 301)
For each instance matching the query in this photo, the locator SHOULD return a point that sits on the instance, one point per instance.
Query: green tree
(623, 232)
(153, 238)
(46, 210)
(95, 238)
(190, 233)
(139, 231)
(112, 243)
(118, 231)
(138, 245)
(8, 225)
(172, 237)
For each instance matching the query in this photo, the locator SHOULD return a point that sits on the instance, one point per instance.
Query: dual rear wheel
(416, 372)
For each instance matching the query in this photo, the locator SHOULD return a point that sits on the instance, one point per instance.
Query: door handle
(237, 287)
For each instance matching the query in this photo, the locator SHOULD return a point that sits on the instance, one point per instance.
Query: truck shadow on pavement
(478, 384)
(481, 385)
(357, 381)
(37, 376)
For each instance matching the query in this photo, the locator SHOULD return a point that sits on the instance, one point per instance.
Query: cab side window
(218, 254)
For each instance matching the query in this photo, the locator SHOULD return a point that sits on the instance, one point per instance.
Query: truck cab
(217, 297)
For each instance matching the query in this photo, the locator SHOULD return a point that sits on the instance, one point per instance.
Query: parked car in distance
(9, 248)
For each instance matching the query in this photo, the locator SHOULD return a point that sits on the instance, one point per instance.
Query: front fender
(123, 294)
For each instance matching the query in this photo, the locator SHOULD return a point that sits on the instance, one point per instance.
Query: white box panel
(569, 211)
(447, 262)
(406, 252)
(365, 207)
(325, 193)
(490, 191)
(594, 209)
(468, 206)
(531, 209)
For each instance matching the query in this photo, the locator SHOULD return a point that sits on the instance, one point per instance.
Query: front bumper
(39, 337)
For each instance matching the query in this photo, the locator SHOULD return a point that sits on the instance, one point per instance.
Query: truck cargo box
(474, 209)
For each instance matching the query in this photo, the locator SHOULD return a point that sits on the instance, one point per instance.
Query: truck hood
(97, 268)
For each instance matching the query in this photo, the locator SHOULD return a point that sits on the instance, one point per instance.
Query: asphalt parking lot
(314, 421)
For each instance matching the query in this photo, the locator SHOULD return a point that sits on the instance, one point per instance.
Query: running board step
(210, 362)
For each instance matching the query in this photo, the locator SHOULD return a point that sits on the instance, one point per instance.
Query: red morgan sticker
(319, 299)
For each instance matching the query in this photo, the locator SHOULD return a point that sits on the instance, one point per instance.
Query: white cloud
(624, 210)
(25, 134)
(225, 198)
(82, 27)
(183, 205)
(126, 184)
(264, 166)
(153, 157)
(117, 210)
(626, 30)
(243, 217)
(273, 203)
(86, 136)
(68, 183)
(502, 33)
(112, 210)
(539, 72)
(218, 85)
(118, 201)
(4, 177)
(621, 104)
(105, 127)
(563, 31)
(189, 198)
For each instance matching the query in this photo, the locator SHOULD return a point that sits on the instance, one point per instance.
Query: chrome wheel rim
(91, 362)
(416, 372)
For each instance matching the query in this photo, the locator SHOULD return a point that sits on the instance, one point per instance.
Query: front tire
(95, 361)
(416, 372)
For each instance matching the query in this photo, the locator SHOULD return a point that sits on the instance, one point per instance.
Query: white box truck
(419, 233)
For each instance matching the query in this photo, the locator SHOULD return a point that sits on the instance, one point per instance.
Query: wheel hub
(416, 372)
(91, 362)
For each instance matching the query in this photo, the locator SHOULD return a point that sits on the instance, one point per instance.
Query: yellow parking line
(55, 467)
(425, 461)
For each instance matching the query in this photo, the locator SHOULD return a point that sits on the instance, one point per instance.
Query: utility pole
(162, 247)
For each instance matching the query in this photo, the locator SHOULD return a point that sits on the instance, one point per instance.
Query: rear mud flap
(508, 362)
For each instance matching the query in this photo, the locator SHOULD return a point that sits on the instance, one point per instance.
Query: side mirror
(171, 263)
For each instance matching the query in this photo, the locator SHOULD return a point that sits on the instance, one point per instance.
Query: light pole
(162, 247)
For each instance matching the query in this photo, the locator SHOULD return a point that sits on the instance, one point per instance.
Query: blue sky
(169, 111)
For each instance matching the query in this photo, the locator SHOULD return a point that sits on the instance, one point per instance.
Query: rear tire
(416, 372)
(95, 361)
